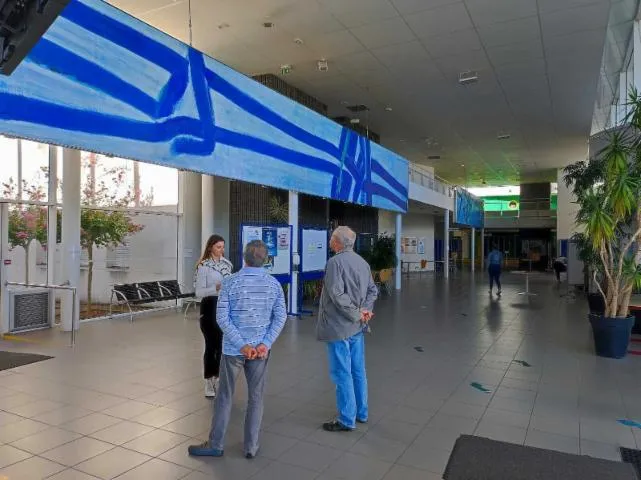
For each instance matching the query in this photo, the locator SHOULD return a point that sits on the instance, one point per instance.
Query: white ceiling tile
(564, 22)
(355, 13)
(306, 19)
(486, 12)
(458, 43)
(569, 45)
(413, 6)
(357, 61)
(452, 66)
(505, 33)
(546, 6)
(140, 7)
(515, 53)
(334, 44)
(386, 32)
(402, 56)
(440, 20)
(172, 19)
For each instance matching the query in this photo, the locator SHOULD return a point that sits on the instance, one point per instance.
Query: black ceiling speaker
(22, 23)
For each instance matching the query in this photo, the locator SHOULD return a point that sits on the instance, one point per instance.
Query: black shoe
(336, 426)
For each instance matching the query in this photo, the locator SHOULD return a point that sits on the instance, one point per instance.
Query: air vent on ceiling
(433, 157)
(357, 108)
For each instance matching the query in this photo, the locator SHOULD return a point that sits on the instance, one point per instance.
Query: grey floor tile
(159, 417)
(401, 432)
(121, 432)
(112, 463)
(558, 425)
(10, 455)
(19, 430)
(375, 446)
(605, 431)
(352, 466)
(155, 442)
(155, 469)
(294, 426)
(509, 419)
(274, 446)
(62, 415)
(71, 474)
(342, 441)
(33, 409)
(310, 456)
(8, 418)
(400, 472)
(502, 433)
(33, 468)
(432, 460)
(45, 440)
(91, 423)
(282, 471)
(550, 441)
(414, 416)
(606, 451)
(465, 410)
(129, 409)
(192, 425)
(76, 452)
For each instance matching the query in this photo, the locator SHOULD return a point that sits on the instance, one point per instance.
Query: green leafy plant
(608, 192)
(382, 255)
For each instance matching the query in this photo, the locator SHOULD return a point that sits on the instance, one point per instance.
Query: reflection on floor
(444, 358)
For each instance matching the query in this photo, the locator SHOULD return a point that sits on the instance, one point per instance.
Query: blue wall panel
(468, 210)
(103, 81)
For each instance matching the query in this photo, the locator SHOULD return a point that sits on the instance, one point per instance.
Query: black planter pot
(611, 335)
(596, 304)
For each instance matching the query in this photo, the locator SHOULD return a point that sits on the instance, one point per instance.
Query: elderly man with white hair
(346, 305)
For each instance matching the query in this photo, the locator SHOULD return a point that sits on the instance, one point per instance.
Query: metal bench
(145, 292)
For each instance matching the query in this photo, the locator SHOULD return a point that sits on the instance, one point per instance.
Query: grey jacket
(348, 287)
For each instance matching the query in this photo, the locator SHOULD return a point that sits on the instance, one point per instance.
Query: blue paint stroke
(629, 423)
(189, 137)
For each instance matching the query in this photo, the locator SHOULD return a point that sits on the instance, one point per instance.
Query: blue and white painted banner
(103, 81)
(468, 209)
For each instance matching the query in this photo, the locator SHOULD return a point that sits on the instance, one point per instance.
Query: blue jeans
(495, 275)
(347, 371)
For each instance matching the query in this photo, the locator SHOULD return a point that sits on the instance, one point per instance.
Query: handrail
(430, 181)
(74, 292)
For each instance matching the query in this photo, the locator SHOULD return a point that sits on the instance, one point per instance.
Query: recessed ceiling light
(402, 140)
(468, 77)
(223, 25)
(388, 109)
(298, 41)
(344, 102)
(268, 24)
(503, 136)
(462, 164)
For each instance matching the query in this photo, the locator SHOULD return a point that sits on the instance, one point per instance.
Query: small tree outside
(99, 226)
(26, 222)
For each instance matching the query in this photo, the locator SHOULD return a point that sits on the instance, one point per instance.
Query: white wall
(414, 225)
(566, 211)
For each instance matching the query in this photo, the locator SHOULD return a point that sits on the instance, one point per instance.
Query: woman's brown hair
(213, 240)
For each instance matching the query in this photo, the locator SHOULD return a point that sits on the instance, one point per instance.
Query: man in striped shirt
(251, 313)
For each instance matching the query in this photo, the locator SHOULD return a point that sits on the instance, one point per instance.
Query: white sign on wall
(313, 250)
(279, 246)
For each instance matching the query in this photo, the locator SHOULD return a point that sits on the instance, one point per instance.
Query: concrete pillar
(207, 208)
(473, 249)
(636, 56)
(189, 242)
(222, 190)
(71, 166)
(293, 221)
(446, 244)
(399, 233)
(52, 229)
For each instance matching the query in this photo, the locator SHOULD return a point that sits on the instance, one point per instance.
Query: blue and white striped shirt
(251, 310)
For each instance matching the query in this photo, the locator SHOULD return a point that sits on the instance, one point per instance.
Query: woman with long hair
(212, 268)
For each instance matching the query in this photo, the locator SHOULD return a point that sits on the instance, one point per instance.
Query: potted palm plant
(608, 193)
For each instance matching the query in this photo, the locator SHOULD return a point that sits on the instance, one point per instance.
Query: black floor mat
(14, 359)
(633, 457)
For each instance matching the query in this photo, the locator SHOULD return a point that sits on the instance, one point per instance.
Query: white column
(189, 244)
(399, 233)
(70, 234)
(636, 56)
(52, 229)
(4, 255)
(473, 249)
(208, 202)
(293, 221)
(482, 248)
(446, 244)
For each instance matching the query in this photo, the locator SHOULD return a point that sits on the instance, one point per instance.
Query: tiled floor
(127, 401)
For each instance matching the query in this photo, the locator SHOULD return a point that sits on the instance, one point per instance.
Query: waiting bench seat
(146, 292)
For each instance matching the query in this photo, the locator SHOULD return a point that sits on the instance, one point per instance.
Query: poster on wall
(279, 246)
(313, 250)
(421, 246)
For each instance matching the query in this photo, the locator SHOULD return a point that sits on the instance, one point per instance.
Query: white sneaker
(210, 387)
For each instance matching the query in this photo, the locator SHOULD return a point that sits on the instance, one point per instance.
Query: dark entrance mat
(13, 359)
(476, 458)
(633, 457)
